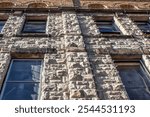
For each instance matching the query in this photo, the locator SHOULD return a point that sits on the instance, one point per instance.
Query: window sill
(114, 35)
(118, 36)
(32, 35)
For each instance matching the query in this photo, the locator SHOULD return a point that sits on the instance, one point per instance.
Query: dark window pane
(25, 70)
(107, 27)
(34, 27)
(23, 80)
(144, 26)
(136, 81)
(21, 91)
(131, 78)
(138, 93)
(2, 23)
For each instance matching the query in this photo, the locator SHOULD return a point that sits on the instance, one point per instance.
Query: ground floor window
(136, 79)
(22, 80)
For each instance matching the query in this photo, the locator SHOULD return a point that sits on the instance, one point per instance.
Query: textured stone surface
(70, 23)
(55, 24)
(77, 61)
(80, 75)
(87, 25)
(128, 26)
(4, 63)
(13, 25)
(54, 80)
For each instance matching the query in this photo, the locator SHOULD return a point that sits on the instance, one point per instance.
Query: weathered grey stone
(55, 24)
(127, 26)
(70, 23)
(77, 61)
(13, 25)
(87, 25)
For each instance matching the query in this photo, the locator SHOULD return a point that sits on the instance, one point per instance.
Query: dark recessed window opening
(144, 26)
(2, 23)
(31, 26)
(136, 79)
(22, 80)
(107, 27)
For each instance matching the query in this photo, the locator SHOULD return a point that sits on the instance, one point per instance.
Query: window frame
(8, 73)
(108, 22)
(132, 63)
(32, 20)
(3, 20)
(143, 21)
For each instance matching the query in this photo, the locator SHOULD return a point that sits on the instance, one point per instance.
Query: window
(136, 79)
(22, 81)
(2, 23)
(107, 27)
(144, 26)
(32, 26)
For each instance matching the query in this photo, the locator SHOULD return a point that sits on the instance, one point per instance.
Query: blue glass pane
(107, 27)
(35, 27)
(25, 70)
(131, 78)
(21, 91)
(144, 26)
(136, 81)
(138, 94)
(2, 23)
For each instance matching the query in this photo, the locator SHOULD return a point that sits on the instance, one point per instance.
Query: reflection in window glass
(107, 27)
(34, 27)
(136, 81)
(23, 80)
(2, 23)
(144, 26)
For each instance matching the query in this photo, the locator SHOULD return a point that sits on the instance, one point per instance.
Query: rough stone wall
(70, 23)
(77, 62)
(87, 24)
(81, 82)
(13, 25)
(129, 27)
(4, 63)
(55, 24)
(55, 78)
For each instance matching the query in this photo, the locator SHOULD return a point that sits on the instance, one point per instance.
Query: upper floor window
(107, 27)
(136, 79)
(33, 26)
(22, 80)
(144, 26)
(2, 23)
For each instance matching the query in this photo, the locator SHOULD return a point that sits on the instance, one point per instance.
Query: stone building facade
(78, 60)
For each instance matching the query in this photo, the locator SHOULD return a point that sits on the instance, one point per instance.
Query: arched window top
(127, 6)
(96, 6)
(6, 5)
(37, 5)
